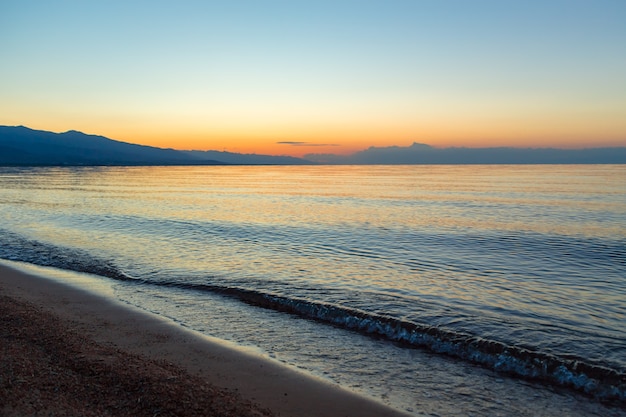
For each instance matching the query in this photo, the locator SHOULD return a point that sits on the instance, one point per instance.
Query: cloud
(306, 143)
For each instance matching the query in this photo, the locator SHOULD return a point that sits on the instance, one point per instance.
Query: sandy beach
(66, 351)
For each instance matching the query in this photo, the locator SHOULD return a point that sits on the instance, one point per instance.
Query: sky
(298, 77)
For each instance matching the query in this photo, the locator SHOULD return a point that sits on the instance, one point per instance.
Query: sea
(440, 290)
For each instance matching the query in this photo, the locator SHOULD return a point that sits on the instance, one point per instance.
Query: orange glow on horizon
(334, 144)
(299, 139)
(267, 80)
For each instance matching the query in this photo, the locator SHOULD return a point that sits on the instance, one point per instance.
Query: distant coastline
(418, 153)
(22, 146)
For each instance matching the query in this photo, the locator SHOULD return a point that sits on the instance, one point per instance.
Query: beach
(66, 351)
(452, 290)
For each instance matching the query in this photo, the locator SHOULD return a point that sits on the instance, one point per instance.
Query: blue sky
(245, 75)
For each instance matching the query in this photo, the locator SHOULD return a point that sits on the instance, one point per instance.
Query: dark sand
(65, 351)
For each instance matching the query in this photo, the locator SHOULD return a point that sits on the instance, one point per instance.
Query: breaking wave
(596, 380)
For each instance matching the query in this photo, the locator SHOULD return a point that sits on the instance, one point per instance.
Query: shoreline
(256, 383)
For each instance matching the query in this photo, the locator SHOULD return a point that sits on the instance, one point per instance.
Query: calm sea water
(437, 289)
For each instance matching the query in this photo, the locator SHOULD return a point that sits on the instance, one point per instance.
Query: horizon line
(303, 143)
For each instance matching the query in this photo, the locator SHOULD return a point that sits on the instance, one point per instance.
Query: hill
(20, 145)
(419, 153)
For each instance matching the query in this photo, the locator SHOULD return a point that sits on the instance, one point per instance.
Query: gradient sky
(297, 77)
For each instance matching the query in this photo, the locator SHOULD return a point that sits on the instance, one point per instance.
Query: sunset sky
(298, 77)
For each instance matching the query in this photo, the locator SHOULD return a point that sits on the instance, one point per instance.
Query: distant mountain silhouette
(20, 145)
(419, 153)
(246, 159)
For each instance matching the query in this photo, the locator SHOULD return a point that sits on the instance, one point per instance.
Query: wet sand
(66, 351)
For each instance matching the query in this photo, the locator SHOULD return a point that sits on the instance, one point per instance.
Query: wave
(601, 382)
(14, 247)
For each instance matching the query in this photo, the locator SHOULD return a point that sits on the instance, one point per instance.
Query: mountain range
(22, 146)
(419, 153)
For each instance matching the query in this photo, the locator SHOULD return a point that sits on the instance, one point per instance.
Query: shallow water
(489, 264)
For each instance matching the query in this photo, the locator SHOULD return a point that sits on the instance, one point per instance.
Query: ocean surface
(439, 290)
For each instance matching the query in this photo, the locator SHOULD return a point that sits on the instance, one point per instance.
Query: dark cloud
(306, 143)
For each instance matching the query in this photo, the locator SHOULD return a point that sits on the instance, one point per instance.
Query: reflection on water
(529, 256)
(570, 199)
